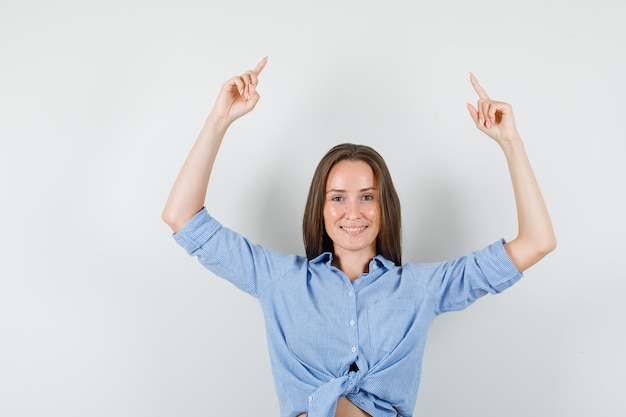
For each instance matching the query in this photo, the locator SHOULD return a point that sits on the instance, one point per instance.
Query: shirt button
(353, 349)
(310, 398)
(350, 294)
(351, 322)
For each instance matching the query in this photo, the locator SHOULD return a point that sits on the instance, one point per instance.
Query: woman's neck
(353, 264)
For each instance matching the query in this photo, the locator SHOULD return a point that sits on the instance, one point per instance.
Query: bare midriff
(345, 408)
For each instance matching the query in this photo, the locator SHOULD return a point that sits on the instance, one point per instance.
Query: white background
(102, 314)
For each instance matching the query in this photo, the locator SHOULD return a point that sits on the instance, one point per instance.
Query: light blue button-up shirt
(318, 323)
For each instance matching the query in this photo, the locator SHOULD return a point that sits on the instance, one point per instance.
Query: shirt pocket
(388, 323)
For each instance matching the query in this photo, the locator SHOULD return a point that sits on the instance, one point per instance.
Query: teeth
(353, 229)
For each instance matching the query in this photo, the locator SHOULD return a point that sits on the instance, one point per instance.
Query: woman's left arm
(535, 236)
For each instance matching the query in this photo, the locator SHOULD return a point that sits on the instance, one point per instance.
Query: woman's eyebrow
(362, 190)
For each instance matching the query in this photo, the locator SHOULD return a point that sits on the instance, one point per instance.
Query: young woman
(346, 325)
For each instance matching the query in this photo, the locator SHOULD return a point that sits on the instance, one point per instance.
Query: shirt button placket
(352, 322)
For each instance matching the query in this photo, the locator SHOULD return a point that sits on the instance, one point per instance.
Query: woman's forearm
(189, 191)
(237, 97)
(535, 237)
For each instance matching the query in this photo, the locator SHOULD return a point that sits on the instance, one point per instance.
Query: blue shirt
(318, 323)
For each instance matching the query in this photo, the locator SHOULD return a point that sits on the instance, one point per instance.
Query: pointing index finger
(257, 70)
(479, 90)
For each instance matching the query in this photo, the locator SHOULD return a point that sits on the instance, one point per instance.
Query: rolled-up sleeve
(458, 283)
(231, 256)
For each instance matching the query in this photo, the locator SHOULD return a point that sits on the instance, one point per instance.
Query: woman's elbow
(546, 244)
(543, 247)
(173, 220)
(550, 245)
(527, 252)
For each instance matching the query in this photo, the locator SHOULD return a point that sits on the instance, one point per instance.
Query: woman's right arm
(237, 97)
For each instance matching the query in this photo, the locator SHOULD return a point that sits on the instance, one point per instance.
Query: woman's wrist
(217, 124)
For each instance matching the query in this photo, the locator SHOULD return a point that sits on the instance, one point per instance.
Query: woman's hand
(238, 96)
(494, 118)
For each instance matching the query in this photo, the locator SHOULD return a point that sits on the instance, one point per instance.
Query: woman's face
(351, 208)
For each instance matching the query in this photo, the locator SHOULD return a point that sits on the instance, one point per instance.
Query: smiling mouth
(353, 230)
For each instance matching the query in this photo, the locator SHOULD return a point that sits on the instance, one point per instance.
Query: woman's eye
(368, 197)
(337, 198)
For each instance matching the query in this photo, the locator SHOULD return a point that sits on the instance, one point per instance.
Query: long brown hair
(388, 241)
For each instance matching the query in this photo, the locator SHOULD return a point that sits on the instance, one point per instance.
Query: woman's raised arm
(535, 238)
(237, 97)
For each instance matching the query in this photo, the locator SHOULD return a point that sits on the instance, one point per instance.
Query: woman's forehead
(349, 175)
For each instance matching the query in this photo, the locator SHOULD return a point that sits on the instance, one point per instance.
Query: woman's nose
(353, 210)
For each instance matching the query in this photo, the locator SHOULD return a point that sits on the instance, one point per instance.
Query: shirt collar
(378, 261)
(384, 262)
(325, 256)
